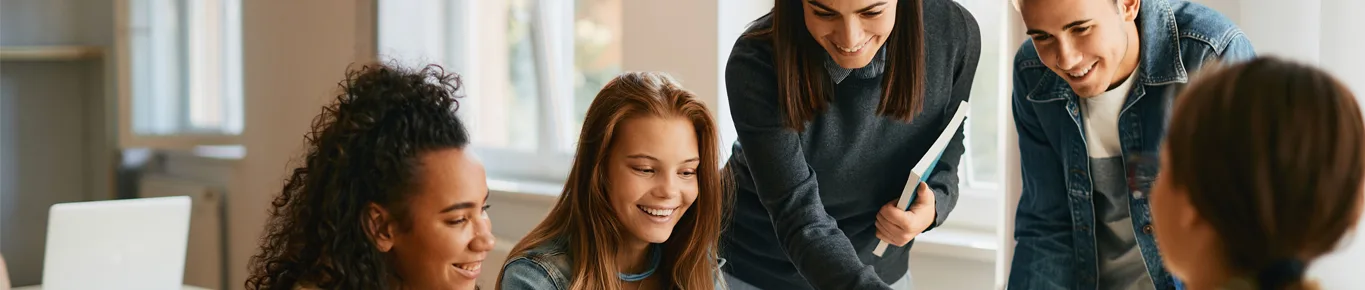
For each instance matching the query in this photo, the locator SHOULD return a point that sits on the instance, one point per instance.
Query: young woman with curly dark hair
(387, 196)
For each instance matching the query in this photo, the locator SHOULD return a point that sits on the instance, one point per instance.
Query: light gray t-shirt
(1121, 266)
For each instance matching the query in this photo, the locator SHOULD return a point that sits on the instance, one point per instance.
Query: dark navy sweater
(807, 201)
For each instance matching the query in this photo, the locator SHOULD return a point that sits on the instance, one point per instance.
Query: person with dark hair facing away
(387, 197)
(1090, 92)
(834, 102)
(1262, 173)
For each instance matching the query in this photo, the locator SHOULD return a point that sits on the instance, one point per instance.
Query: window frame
(185, 137)
(552, 50)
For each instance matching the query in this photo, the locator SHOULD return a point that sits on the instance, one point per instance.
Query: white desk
(40, 287)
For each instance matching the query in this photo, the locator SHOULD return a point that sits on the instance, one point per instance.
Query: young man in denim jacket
(1090, 106)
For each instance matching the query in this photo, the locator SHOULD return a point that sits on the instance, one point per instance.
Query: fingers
(890, 214)
(924, 197)
(899, 238)
(883, 218)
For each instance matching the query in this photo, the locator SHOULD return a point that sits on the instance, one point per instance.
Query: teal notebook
(925, 167)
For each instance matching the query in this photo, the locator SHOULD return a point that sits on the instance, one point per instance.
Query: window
(180, 72)
(982, 164)
(530, 70)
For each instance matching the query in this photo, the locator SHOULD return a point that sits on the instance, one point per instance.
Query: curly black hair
(364, 148)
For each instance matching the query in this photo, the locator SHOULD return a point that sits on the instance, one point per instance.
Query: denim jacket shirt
(1055, 223)
(548, 266)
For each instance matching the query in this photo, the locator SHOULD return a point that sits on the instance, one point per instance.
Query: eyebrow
(463, 205)
(642, 156)
(1064, 27)
(865, 9)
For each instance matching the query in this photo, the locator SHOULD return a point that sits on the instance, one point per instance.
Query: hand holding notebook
(925, 166)
(898, 226)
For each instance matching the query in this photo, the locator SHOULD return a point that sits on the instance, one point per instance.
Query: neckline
(656, 256)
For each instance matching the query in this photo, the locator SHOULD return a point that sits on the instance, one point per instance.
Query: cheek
(818, 28)
(624, 189)
(882, 26)
(442, 241)
(690, 192)
(1047, 54)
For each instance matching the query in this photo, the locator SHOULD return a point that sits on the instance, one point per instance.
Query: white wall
(295, 52)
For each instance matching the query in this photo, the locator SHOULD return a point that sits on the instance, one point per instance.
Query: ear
(378, 227)
(1189, 217)
(1129, 9)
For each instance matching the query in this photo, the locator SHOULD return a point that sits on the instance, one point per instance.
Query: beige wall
(295, 52)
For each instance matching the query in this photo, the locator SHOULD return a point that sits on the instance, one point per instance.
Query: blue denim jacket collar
(553, 257)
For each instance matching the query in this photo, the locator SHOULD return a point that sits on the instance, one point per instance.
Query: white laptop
(117, 244)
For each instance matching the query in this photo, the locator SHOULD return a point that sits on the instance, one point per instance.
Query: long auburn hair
(1272, 155)
(583, 215)
(803, 86)
(364, 148)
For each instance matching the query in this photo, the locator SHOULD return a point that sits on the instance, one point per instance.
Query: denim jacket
(548, 266)
(1055, 223)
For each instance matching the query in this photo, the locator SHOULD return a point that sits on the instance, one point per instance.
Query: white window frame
(175, 106)
(447, 22)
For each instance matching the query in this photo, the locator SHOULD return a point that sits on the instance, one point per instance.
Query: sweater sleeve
(944, 179)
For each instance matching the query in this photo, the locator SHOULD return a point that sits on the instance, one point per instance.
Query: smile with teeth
(472, 267)
(1084, 72)
(658, 212)
(853, 49)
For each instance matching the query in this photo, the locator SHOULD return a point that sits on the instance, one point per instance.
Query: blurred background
(108, 99)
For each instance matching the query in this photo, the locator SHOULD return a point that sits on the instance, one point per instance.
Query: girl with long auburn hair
(834, 101)
(644, 201)
(1261, 174)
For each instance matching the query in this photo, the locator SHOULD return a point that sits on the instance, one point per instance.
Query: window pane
(983, 158)
(503, 104)
(523, 81)
(597, 53)
(186, 67)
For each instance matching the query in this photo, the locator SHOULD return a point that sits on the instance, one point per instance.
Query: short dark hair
(1272, 155)
(363, 148)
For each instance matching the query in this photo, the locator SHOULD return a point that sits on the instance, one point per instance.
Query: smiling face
(851, 31)
(652, 176)
(1092, 44)
(449, 234)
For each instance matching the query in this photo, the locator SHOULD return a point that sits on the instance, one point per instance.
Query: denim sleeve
(522, 274)
(785, 183)
(1043, 253)
(1238, 48)
(944, 179)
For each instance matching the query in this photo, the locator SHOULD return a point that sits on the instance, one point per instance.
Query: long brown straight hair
(803, 86)
(583, 215)
(1271, 154)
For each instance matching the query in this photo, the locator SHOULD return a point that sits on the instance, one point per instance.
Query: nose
(670, 186)
(483, 236)
(852, 34)
(1068, 57)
